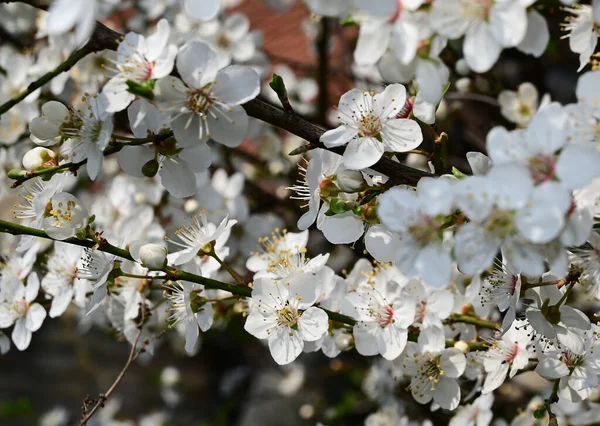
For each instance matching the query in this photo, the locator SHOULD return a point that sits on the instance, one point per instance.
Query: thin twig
(398, 173)
(244, 291)
(133, 354)
(477, 97)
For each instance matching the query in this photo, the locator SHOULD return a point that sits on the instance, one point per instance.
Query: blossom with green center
(370, 126)
(280, 314)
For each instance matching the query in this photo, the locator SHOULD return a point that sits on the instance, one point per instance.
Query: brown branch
(133, 354)
(398, 173)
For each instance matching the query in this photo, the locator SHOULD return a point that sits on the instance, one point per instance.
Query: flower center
(525, 110)
(199, 101)
(478, 9)
(287, 316)
(424, 232)
(384, 316)
(428, 375)
(542, 168)
(369, 125)
(21, 307)
(571, 359)
(500, 223)
(62, 214)
(420, 312)
(223, 41)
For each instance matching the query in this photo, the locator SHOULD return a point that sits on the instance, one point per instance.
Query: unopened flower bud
(39, 157)
(463, 85)
(328, 189)
(150, 168)
(17, 174)
(462, 67)
(462, 346)
(191, 206)
(350, 180)
(153, 256)
(342, 341)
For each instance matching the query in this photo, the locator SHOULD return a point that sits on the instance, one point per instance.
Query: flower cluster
(457, 281)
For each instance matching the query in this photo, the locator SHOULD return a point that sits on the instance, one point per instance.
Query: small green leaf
(278, 87)
(458, 174)
(143, 90)
(300, 150)
(348, 21)
(539, 413)
(17, 174)
(150, 168)
(443, 94)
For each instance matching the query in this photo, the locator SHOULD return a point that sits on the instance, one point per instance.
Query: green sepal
(150, 168)
(143, 90)
(539, 413)
(348, 21)
(17, 174)
(458, 174)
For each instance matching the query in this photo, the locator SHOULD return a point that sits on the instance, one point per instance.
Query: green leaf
(539, 413)
(278, 87)
(143, 90)
(458, 174)
(17, 174)
(443, 94)
(348, 21)
(300, 150)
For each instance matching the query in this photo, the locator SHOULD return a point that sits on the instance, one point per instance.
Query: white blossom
(369, 126)
(285, 318)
